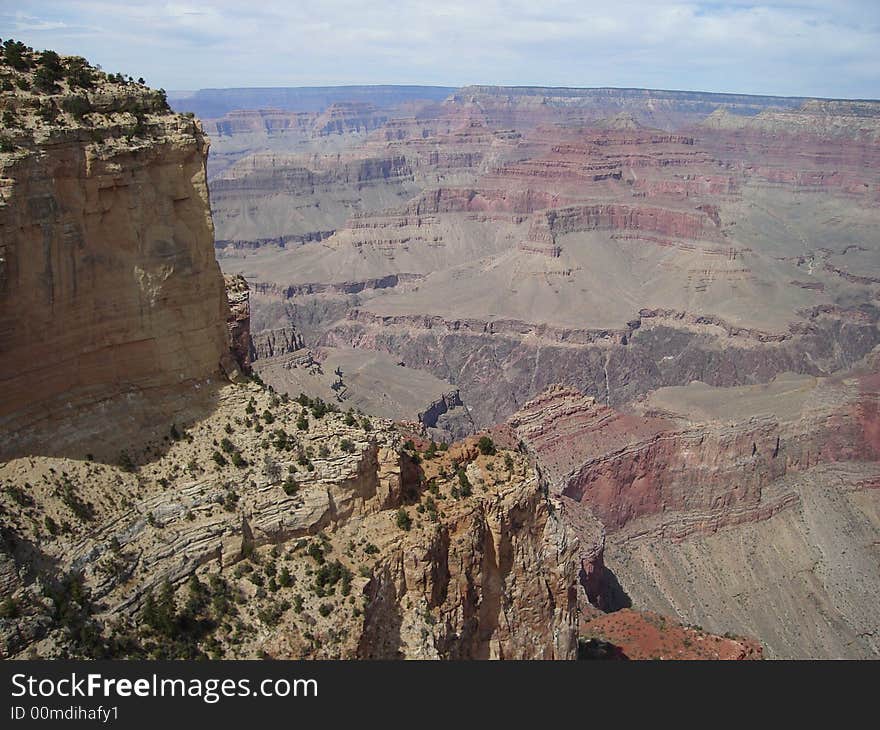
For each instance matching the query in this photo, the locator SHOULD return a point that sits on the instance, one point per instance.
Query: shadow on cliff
(130, 429)
(597, 649)
(613, 596)
(383, 618)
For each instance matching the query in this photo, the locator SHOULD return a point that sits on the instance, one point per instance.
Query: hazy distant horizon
(803, 48)
(179, 93)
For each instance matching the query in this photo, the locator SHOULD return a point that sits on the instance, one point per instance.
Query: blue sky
(792, 47)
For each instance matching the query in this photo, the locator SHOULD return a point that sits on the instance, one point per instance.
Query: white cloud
(800, 47)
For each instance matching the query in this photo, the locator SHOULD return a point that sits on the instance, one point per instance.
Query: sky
(785, 47)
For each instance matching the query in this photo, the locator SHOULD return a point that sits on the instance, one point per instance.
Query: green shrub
(17, 55)
(49, 73)
(79, 73)
(82, 510)
(8, 608)
(290, 486)
(51, 525)
(20, 496)
(316, 552)
(404, 521)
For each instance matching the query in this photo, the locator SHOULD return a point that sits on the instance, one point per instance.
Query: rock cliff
(711, 501)
(108, 280)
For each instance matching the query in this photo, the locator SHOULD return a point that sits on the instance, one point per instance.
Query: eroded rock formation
(108, 280)
(687, 479)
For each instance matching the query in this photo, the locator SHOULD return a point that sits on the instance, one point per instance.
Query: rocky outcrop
(490, 574)
(439, 407)
(341, 287)
(108, 279)
(239, 321)
(280, 341)
(485, 578)
(629, 466)
(679, 224)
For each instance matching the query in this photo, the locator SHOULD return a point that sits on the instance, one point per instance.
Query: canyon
(420, 372)
(631, 257)
(159, 500)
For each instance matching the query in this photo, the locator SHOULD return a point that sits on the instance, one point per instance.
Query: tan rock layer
(109, 280)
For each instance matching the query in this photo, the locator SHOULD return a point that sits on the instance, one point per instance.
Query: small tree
(79, 73)
(466, 490)
(16, 55)
(404, 521)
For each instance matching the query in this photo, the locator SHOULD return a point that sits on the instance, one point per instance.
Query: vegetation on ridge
(42, 91)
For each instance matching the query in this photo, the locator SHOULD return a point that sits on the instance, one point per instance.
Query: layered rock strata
(108, 280)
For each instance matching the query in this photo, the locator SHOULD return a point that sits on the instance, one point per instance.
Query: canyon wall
(108, 281)
(750, 510)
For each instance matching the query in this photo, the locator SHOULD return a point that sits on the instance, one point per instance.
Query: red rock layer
(644, 635)
(630, 468)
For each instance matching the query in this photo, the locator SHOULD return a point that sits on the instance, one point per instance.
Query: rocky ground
(641, 635)
(276, 527)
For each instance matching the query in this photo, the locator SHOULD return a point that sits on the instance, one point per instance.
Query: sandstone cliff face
(108, 279)
(498, 582)
(629, 466)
